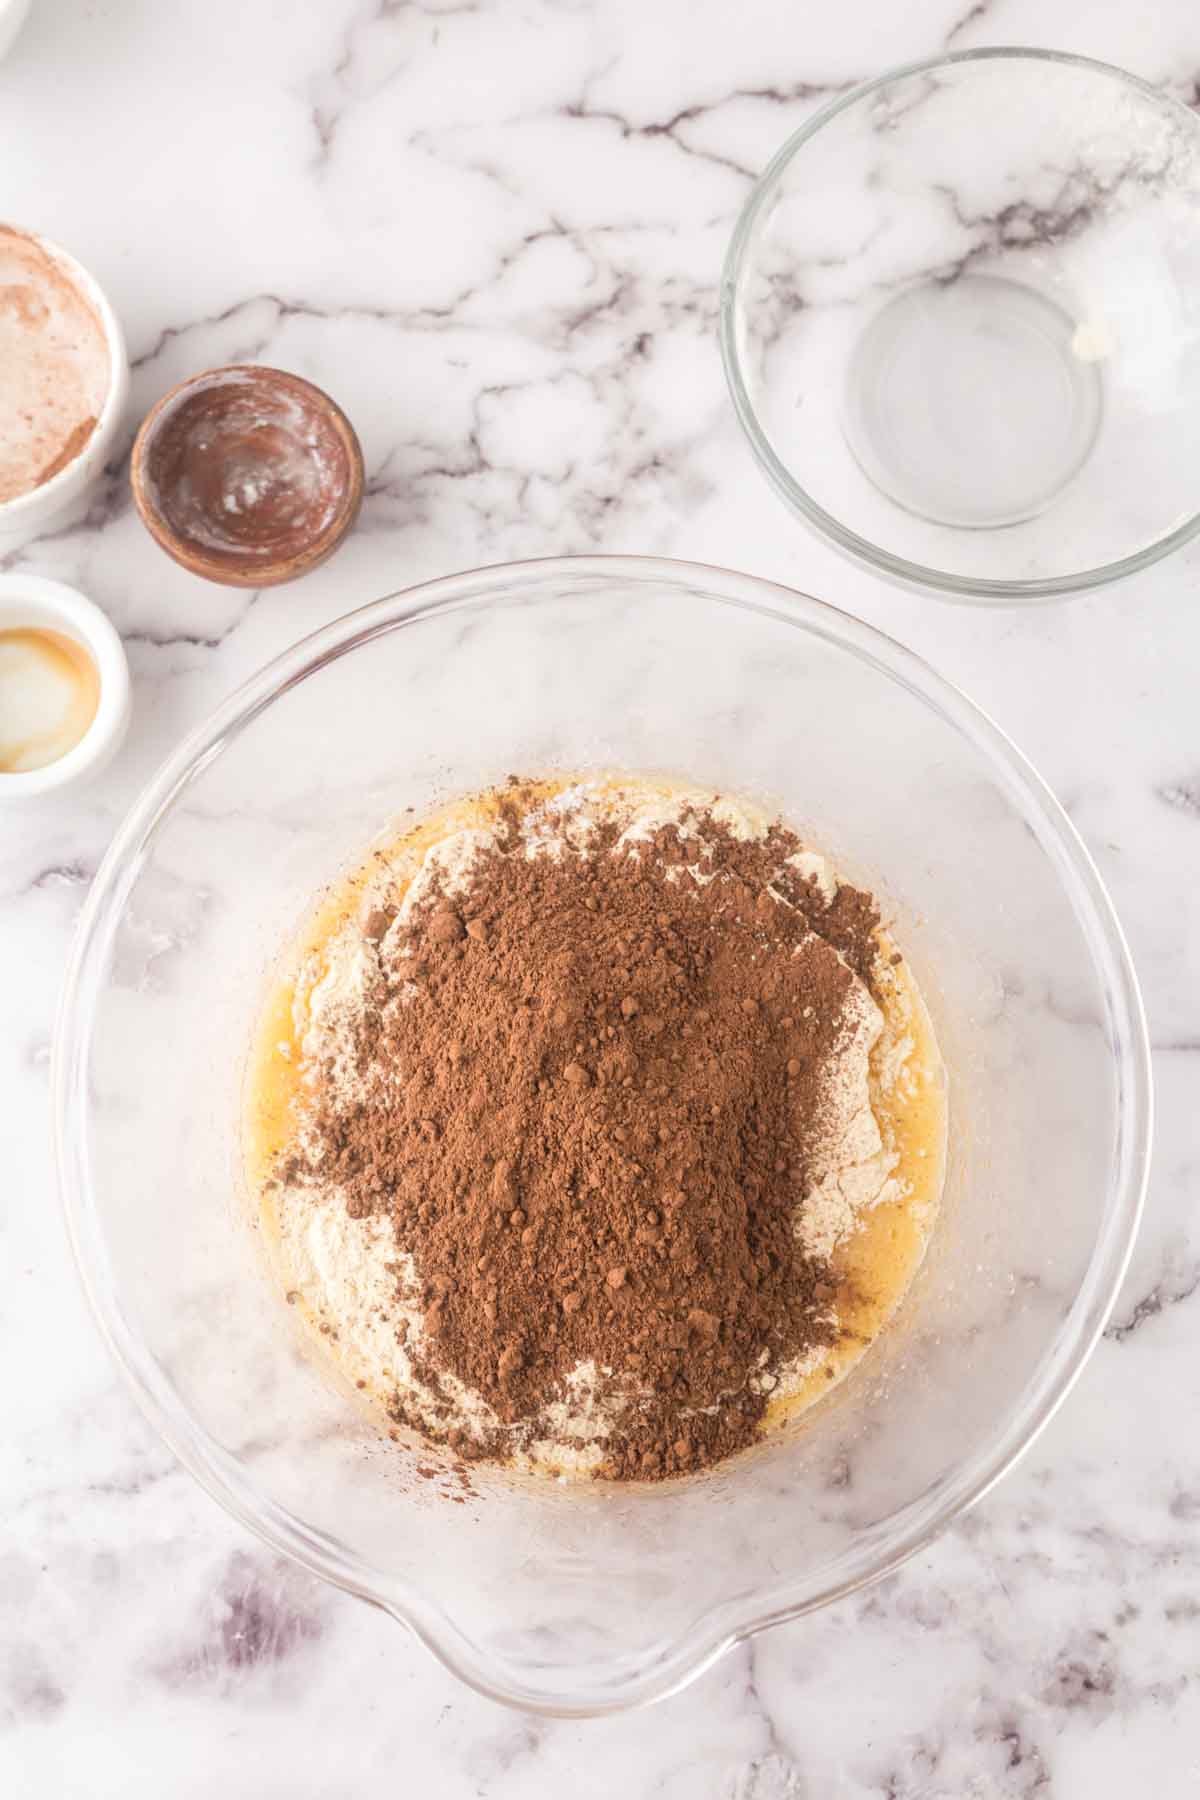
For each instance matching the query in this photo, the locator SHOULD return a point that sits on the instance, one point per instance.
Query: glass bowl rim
(642, 1677)
(980, 590)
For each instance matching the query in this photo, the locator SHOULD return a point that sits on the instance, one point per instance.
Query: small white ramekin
(33, 602)
(28, 514)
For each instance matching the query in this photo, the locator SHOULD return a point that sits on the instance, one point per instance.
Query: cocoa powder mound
(586, 1095)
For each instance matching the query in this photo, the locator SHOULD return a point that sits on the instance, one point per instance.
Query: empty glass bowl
(961, 323)
(588, 1597)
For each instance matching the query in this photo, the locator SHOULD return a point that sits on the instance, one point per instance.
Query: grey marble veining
(495, 235)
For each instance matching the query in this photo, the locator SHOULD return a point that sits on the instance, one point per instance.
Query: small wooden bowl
(246, 475)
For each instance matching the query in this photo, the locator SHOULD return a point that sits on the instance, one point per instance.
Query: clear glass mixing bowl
(575, 1599)
(960, 318)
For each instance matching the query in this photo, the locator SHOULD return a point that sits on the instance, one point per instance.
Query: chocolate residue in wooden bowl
(247, 475)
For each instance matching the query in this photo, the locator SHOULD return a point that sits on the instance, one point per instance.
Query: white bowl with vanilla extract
(64, 687)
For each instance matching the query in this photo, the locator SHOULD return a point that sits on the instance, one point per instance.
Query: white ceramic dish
(31, 513)
(33, 601)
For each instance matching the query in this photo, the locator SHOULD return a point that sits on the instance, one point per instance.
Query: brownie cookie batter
(582, 1115)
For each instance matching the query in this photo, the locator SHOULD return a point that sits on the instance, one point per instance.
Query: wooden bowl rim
(218, 567)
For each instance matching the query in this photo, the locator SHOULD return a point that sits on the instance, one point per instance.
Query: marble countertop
(494, 232)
